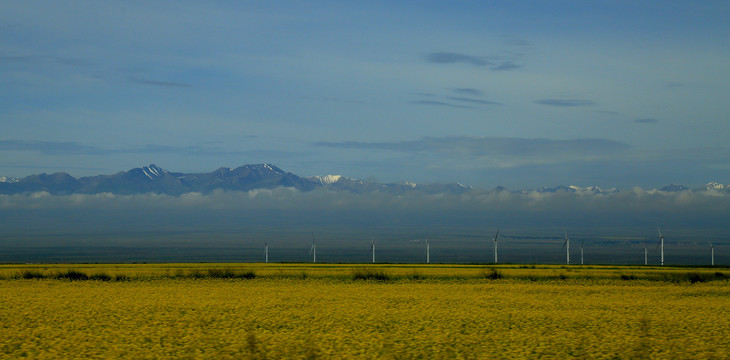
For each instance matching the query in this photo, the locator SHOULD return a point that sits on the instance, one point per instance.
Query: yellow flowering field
(290, 311)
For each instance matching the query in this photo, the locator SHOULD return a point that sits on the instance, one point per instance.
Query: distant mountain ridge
(153, 179)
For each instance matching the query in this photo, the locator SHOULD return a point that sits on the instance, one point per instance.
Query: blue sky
(519, 94)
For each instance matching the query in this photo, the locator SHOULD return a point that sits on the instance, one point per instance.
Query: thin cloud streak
(74, 148)
(506, 66)
(476, 101)
(468, 91)
(440, 103)
(480, 146)
(565, 102)
(160, 83)
(442, 57)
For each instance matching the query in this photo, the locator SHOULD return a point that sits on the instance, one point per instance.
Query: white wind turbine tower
(646, 256)
(266, 252)
(661, 244)
(712, 252)
(581, 250)
(313, 250)
(496, 237)
(566, 246)
(372, 247)
(428, 253)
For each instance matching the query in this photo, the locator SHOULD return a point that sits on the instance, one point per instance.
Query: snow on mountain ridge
(327, 179)
(153, 171)
(716, 186)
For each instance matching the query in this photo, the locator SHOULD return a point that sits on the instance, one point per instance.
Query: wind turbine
(372, 247)
(646, 257)
(428, 252)
(661, 244)
(313, 250)
(712, 252)
(581, 250)
(496, 237)
(266, 251)
(566, 246)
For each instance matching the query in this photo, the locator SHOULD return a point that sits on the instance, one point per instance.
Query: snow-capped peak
(272, 168)
(715, 186)
(152, 171)
(8, 179)
(327, 179)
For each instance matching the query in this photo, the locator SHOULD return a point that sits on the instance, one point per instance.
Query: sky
(520, 94)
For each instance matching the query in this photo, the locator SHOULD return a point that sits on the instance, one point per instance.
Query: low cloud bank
(636, 201)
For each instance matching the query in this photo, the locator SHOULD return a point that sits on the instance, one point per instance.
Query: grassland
(304, 311)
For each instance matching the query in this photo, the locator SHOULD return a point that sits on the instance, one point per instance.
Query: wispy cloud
(47, 147)
(440, 103)
(470, 100)
(441, 57)
(17, 59)
(486, 146)
(74, 148)
(39, 59)
(502, 62)
(565, 102)
(468, 91)
(506, 65)
(646, 121)
(159, 83)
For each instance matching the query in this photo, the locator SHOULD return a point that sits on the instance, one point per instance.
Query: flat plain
(309, 311)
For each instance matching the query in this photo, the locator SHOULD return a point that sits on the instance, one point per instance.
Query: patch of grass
(195, 274)
(122, 277)
(628, 277)
(100, 277)
(693, 277)
(492, 274)
(214, 273)
(369, 274)
(73, 275)
(247, 275)
(221, 273)
(32, 274)
(415, 275)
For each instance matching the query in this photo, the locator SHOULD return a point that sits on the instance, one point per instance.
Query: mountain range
(153, 179)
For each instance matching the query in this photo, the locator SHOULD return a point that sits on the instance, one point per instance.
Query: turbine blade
(496, 236)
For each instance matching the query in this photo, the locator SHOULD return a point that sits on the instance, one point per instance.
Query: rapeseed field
(300, 311)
